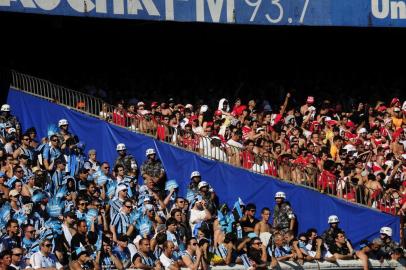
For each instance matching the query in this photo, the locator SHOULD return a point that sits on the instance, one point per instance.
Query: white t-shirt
(235, 144)
(166, 262)
(218, 154)
(38, 260)
(196, 216)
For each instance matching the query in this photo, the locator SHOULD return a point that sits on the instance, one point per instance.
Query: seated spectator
(5, 259)
(167, 260)
(370, 251)
(342, 248)
(11, 239)
(281, 251)
(144, 258)
(106, 258)
(257, 253)
(228, 250)
(192, 257)
(83, 260)
(399, 256)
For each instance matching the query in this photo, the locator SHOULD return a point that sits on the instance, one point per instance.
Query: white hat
(203, 108)
(5, 108)
(280, 194)
(260, 128)
(189, 106)
(403, 156)
(362, 130)
(140, 103)
(194, 174)
(120, 146)
(328, 118)
(333, 219)
(121, 188)
(13, 192)
(386, 230)
(150, 151)
(202, 184)
(350, 147)
(396, 109)
(63, 122)
(147, 199)
(11, 130)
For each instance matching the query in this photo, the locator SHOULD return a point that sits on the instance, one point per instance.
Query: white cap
(260, 128)
(120, 146)
(194, 174)
(280, 194)
(350, 147)
(189, 106)
(121, 188)
(150, 151)
(333, 219)
(5, 108)
(63, 122)
(362, 130)
(386, 230)
(396, 109)
(204, 108)
(328, 118)
(202, 184)
(147, 199)
(140, 103)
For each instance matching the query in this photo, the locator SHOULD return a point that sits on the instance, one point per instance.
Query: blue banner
(311, 207)
(362, 13)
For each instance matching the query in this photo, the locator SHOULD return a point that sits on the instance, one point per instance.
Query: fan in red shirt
(327, 180)
(119, 115)
(248, 155)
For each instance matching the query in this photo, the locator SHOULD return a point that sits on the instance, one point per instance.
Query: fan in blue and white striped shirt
(120, 224)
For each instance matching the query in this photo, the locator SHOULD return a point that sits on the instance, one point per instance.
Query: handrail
(299, 174)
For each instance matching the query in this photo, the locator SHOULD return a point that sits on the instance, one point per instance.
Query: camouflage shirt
(153, 168)
(283, 214)
(329, 234)
(128, 162)
(388, 247)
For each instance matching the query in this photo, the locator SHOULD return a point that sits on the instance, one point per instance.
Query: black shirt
(248, 223)
(344, 250)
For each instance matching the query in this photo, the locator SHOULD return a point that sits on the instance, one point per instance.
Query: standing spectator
(121, 250)
(119, 115)
(120, 224)
(17, 259)
(51, 153)
(25, 148)
(5, 259)
(263, 229)
(11, 239)
(91, 163)
(198, 213)
(248, 221)
(83, 237)
(45, 259)
(117, 203)
(28, 238)
(284, 218)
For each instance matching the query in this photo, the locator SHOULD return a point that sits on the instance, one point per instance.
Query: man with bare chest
(263, 229)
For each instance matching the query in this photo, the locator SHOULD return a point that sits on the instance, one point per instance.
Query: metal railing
(305, 174)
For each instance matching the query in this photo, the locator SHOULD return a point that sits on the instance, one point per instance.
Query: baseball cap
(140, 104)
(362, 130)
(121, 188)
(396, 109)
(218, 112)
(203, 108)
(122, 238)
(83, 170)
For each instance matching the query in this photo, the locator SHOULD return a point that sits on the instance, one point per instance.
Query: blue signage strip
(358, 13)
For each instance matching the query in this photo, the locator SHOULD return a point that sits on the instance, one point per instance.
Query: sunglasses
(82, 203)
(18, 254)
(48, 245)
(33, 231)
(106, 167)
(129, 206)
(257, 243)
(26, 139)
(54, 140)
(19, 171)
(194, 244)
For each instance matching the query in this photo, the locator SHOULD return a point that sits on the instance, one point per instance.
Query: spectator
(342, 248)
(121, 251)
(167, 260)
(144, 258)
(83, 237)
(106, 258)
(281, 251)
(5, 259)
(120, 224)
(83, 260)
(262, 228)
(248, 221)
(192, 257)
(11, 239)
(198, 213)
(44, 258)
(17, 262)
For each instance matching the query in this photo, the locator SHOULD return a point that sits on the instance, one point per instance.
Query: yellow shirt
(397, 122)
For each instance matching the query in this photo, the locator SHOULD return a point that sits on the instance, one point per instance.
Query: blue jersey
(123, 255)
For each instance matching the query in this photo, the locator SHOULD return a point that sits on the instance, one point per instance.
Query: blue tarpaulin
(311, 207)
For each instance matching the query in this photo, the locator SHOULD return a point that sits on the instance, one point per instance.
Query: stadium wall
(311, 207)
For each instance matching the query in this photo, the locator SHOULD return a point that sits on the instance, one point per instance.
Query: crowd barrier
(339, 265)
(287, 169)
(311, 207)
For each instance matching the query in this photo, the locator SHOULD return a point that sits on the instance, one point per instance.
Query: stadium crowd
(357, 153)
(62, 208)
